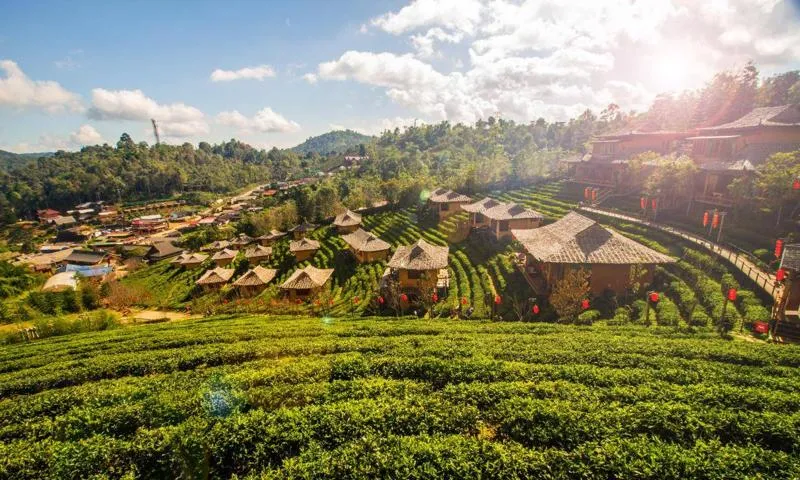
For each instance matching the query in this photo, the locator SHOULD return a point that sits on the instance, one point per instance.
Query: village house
(193, 260)
(214, 279)
(303, 249)
(148, 224)
(606, 164)
(47, 214)
(366, 247)
(507, 216)
(447, 202)
(257, 254)
(86, 258)
(60, 221)
(787, 305)
(300, 231)
(578, 242)
(271, 237)
(347, 222)
(732, 150)
(420, 268)
(108, 217)
(162, 250)
(254, 281)
(476, 211)
(215, 246)
(306, 282)
(242, 240)
(224, 257)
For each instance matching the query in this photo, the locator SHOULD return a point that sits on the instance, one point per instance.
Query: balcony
(717, 199)
(534, 278)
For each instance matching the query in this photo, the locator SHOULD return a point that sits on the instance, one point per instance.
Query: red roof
(48, 213)
(270, 193)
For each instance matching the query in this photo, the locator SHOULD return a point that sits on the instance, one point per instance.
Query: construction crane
(155, 131)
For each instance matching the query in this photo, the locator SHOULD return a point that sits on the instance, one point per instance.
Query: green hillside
(9, 160)
(336, 141)
(292, 397)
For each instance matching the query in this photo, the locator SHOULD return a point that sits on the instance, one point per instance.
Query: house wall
(478, 220)
(452, 209)
(251, 290)
(223, 262)
(603, 276)
(293, 294)
(258, 259)
(427, 281)
(304, 255)
(211, 287)
(365, 257)
(518, 224)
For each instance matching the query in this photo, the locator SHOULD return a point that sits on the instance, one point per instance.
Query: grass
(291, 397)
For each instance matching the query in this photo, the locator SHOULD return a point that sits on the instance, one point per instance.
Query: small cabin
(787, 303)
(224, 257)
(507, 216)
(447, 202)
(306, 282)
(300, 231)
(304, 248)
(271, 237)
(347, 222)
(258, 254)
(193, 261)
(477, 210)
(577, 242)
(242, 241)
(366, 247)
(215, 278)
(86, 258)
(254, 281)
(420, 268)
(216, 246)
(162, 250)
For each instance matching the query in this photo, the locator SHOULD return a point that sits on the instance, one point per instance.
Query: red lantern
(535, 309)
(463, 300)
(796, 184)
(705, 219)
(381, 300)
(404, 297)
(356, 300)
(298, 301)
(594, 194)
(778, 248)
(585, 304)
(654, 203)
(435, 297)
(587, 192)
(780, 275)
(654, 297)
(497, 299)
(316, 302)
(330, 302)
(732, 294)
(715, 220)
(761, 327)
(643, 202)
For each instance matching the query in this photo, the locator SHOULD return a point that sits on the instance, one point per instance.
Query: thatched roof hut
(443, 195)
(303, 245)
(347, 219)
(258, 253)
(215, 277)
(193, 260)
(307, 278)
(163, 249)
(481, 206)
(420, 256)
(218, 245)
(363, 241)
(578, 239)
(512, 211)
(255, 279)
(225, 254)
(272, 236)
(299, 231)
(242, 240)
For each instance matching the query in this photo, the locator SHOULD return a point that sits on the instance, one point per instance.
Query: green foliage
(15, 279)
(336, 141)
(288, 397)
(588, 317)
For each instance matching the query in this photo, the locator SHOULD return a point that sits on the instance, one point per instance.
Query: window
(504, 226)
(414, 274)
(444, 207)
(302, 292)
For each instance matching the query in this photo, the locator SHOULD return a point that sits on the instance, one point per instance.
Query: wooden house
(420, 267)
(447, 202)
(300, 231)
(242, 241)
(254, 281)
(507, 216)
(148, 224)
(271, 237)
(86, 258)
(366, 247)
(476, 211)
(257, 254)
(303, 249)
(732, 150)
(347, 222)
(107, 217)
(193, 260)
(215, 278)
(306, 282)
(216, 246)
(176, 260)
(787, 304)
(224, 257)
(47, 214)
(578, 242)
(162, 250)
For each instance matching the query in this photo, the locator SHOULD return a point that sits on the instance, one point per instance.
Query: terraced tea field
(291, 397)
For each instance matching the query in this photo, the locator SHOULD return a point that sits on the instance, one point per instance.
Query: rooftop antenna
(155, 131)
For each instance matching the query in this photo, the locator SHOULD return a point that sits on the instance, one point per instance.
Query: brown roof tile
(364, 241)
(420, 256)
(308, 277)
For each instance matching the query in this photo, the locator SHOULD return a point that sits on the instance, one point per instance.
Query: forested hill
(337, 141)
(9, 160)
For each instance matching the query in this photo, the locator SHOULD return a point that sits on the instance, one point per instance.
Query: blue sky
(81, 72)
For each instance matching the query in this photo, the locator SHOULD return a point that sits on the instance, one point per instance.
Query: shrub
(588, 317)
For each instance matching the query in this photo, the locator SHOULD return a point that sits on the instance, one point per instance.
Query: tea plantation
(288, 397)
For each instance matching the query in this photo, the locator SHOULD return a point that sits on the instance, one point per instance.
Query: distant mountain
(9, 160)
(336, 141)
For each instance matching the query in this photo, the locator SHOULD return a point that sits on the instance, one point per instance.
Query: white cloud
(259, 72)
(424, 44)
(459, 15)
(310, 78)
(176, 120)
(19, 91)
(379, 126)
(85, 135)
(381, 69)
(264, 121)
